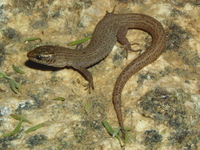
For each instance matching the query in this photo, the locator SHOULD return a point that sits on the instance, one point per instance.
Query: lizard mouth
(31, 55)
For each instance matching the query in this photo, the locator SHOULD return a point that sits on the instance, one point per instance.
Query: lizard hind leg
(112, 12)
(121, 37)
(79, 47)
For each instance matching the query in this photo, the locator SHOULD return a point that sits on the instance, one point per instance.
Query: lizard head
(46, 55)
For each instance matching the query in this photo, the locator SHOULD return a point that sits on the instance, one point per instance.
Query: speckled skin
(109, 30)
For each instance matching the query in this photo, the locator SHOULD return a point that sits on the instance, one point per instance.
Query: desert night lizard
(112, 28)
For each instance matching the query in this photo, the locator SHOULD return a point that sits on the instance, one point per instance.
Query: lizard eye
(38, 57)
